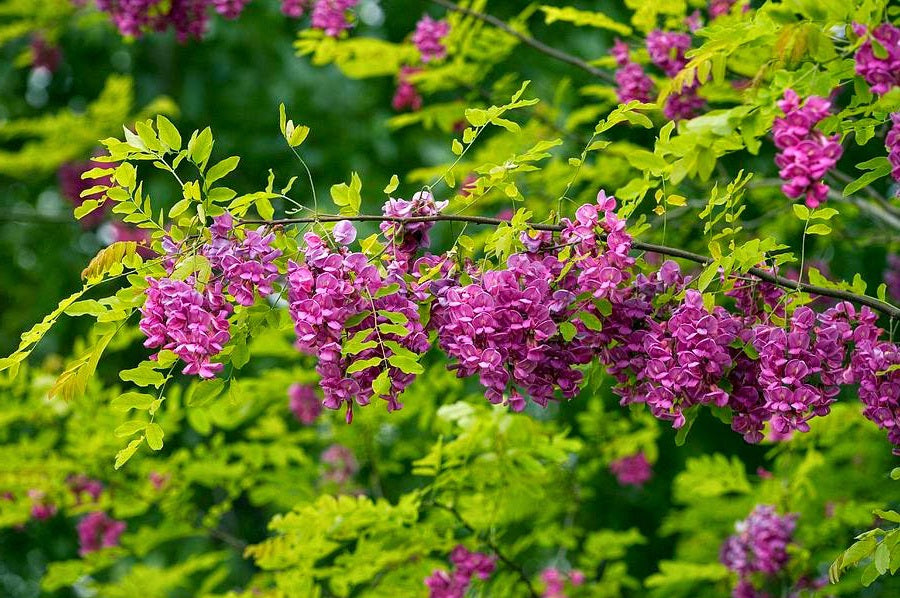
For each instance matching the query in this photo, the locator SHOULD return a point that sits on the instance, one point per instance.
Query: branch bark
(883, 307)
(527, 40)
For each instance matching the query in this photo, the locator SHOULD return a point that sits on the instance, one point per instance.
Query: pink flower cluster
(633, 470)
(98, 530)
(429, 38)
(806, 154)
(338, 295)
(759, 546)
(555, 581)
(455, 584)
(193, 323)
(892, 276)
(82, 486)
(246, 265)
(41, 507)
(667, 49)
(633, 83)
(304, 403)
(406, 238)
(189, 18)
(190, 316)
(879, 67)
(892, 143)
(406, 97)
(332, 16)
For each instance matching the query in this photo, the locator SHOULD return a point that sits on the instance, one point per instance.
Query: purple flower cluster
(82, 485)
(98, 530)
(294, 8)
(304, 403)
(892, 143)
(193, 323)
(338, 296)
(799, 371)
(759, 546)
(667, 48)
(429, 38)
(555, 581)
(244, 265)
(633, 470)
(806, 153)
(717, 8)
(633, 83)
(44, 54)
(406, 97)
(230, 9)
(455, 584)
(332, 16)
(879, 67)
(187, 17)
(870, 367)
(406, 238)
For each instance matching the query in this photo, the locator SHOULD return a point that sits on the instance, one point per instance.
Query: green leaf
(590, 321)
(405, 364)
(221, 169)
(819, 229)
(393, 316)
(126, 453)
(298, 136)
(567, 330)
(143, 376)
(392, 185)
(358, 366)
(168, 134)
(457, 147)
(154, 435)
(397, 329)
(130, 427)
(801, 211)
(381, 385)
(132, 400)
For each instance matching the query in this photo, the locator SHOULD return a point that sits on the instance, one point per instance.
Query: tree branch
(529, 41)
(786, 283)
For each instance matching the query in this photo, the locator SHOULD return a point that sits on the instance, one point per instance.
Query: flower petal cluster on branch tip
(429, 38)
(455, 583)
(759, 547)
(879, 67)
(633, 83)
(806, 154)
(294, 8)
(96, 531)
(340, 464)
(406, 97)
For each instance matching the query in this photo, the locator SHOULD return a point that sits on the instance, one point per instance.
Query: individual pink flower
(344, 232)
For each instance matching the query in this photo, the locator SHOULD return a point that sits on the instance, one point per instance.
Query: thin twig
(527, 40)
(786, 283)
(515, 567)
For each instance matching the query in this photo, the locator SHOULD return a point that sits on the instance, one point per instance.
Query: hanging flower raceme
(404, 239)
(98, 530)
(406, 97)
(42, 508)
(806, 153)
(188, 18)
(340, 464)
(294, 8)
(429, 38)
(759, 547)
(359, 321)
(667, 49)
(633, 83)
(880, 68)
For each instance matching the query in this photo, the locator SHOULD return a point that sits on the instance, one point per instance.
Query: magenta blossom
(634, 470)
(429, 38)
(98, 530)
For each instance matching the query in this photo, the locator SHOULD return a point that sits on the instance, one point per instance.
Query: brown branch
(881, 306)
(527, 40)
